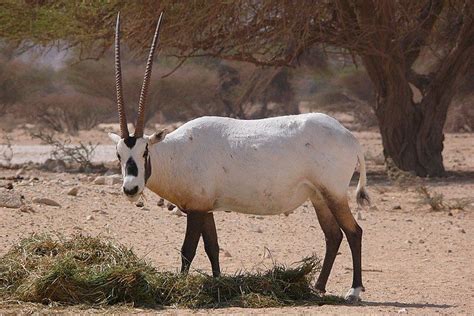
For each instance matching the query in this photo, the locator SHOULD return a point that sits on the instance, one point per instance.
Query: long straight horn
(139, 126)
(118, 82)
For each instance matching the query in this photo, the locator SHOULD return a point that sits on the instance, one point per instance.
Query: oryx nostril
(131, 191)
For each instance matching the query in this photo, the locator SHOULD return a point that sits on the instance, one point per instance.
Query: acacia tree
(387, 36)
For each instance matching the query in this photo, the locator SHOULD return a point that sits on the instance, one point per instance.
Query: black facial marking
(130, 141)
(147, 169)
(145, 154)
(147, 164)
(131, 168)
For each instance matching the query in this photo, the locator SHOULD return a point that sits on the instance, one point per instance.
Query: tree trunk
(412, 133)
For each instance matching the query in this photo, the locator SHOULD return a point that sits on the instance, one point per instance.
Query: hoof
(353, 296)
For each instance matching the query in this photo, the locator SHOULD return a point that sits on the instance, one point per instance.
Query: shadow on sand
(406, 305)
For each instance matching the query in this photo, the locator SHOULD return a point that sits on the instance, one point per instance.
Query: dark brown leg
(353, 232)
(211, 245)
(191, 240)
(333, 236)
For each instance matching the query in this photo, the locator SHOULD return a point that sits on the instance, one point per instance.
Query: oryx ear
(114, 137)
(157, 137)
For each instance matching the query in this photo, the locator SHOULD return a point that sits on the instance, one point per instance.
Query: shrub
(69, 111)
(64, 151)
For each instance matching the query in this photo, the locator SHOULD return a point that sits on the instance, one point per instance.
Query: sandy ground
(415, 260)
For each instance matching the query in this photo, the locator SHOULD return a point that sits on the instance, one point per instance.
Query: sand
(415, 260)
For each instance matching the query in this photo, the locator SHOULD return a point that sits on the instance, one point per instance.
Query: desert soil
(415, 260)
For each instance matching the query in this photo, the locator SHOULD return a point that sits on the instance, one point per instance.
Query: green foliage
(87, 270)
(81, 22)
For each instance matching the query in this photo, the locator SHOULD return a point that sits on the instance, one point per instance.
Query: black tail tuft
(362, 197)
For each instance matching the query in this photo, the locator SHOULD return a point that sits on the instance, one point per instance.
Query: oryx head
(132, 150)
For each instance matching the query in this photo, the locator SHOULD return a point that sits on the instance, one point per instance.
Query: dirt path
(415, 260)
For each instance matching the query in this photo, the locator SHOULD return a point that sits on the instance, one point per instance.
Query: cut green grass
(92, 271)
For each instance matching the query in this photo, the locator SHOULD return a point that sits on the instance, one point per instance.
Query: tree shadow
(406, 305)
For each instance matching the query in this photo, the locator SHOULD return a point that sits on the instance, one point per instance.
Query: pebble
(227, 254)
(100, 180)
(397, 207)
(161, 202)
(46, 201)
(145, 209)
(402, 311)
(139, 204)
(171, 206)
(10, 199)
(177, 212)
(27, 209)
(90, 218)
(114, 179)
(256, 229)
(73, 191)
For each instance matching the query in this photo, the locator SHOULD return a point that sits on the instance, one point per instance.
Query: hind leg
(333, 236)
(342, 213)
(193, 234)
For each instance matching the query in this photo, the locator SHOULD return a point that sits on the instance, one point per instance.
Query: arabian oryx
(264, 167)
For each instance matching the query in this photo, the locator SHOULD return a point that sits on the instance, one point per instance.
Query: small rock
(421, 241)
(27, 209)
(54, 165)
(100, 180)
(46, 201)
(90, 218)
(227, 254)
(359, 216)
(402, 311)
(397, 207)
(10, 199)
(161, 202)
(449, 251)
(145, 209)
(73, 191)
(139, 204)
(261, 217)
(177, 212)
(171, 206)
(462, 230)
(114, 179)
(9, 186)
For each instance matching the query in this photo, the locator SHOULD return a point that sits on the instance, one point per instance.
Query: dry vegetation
(87, 270)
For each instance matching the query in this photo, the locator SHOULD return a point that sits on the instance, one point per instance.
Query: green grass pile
(89, 270)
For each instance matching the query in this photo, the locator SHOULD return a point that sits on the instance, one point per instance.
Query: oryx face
(133, 150)
(134, 156)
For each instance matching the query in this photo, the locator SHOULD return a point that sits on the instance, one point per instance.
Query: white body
(266, 167)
